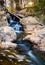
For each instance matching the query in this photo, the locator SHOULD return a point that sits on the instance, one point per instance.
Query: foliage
(38, 7)
(40, 4)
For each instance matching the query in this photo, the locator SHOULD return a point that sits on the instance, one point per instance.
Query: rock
(31, 24)
(22, 11)
(42, 45)
(3, 19)
(5, 45)
(29, 20)
(7, 33)
(20, 15)
(33, 38)
(3, 16)
(37, 38)
(35, 31)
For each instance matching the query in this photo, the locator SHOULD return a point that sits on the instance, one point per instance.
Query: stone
(37, 37)
(35, 32)
(29, 20)
(6, 44)
(3, 19)
(7, 33)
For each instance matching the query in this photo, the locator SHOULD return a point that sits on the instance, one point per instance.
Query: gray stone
(7, 33)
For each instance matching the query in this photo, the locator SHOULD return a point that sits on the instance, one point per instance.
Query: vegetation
(41, 4)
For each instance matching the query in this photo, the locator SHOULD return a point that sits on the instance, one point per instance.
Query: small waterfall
(15, 24)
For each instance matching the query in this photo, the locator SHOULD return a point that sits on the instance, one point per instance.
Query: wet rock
(31, 23)
(7, 33)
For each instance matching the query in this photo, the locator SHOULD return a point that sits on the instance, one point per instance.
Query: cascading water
(15, 24)
(26, 48)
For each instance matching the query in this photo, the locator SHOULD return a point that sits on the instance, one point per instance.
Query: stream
(22, 55)
(14, 57)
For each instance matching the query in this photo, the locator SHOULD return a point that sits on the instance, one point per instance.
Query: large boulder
(35, 32)
(37, 36)
(7, 33)
(30, 23)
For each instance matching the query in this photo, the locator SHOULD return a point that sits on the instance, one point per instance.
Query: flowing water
(23, 57)
(14, 57)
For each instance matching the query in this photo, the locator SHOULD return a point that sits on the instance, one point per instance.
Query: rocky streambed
(34, 32)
